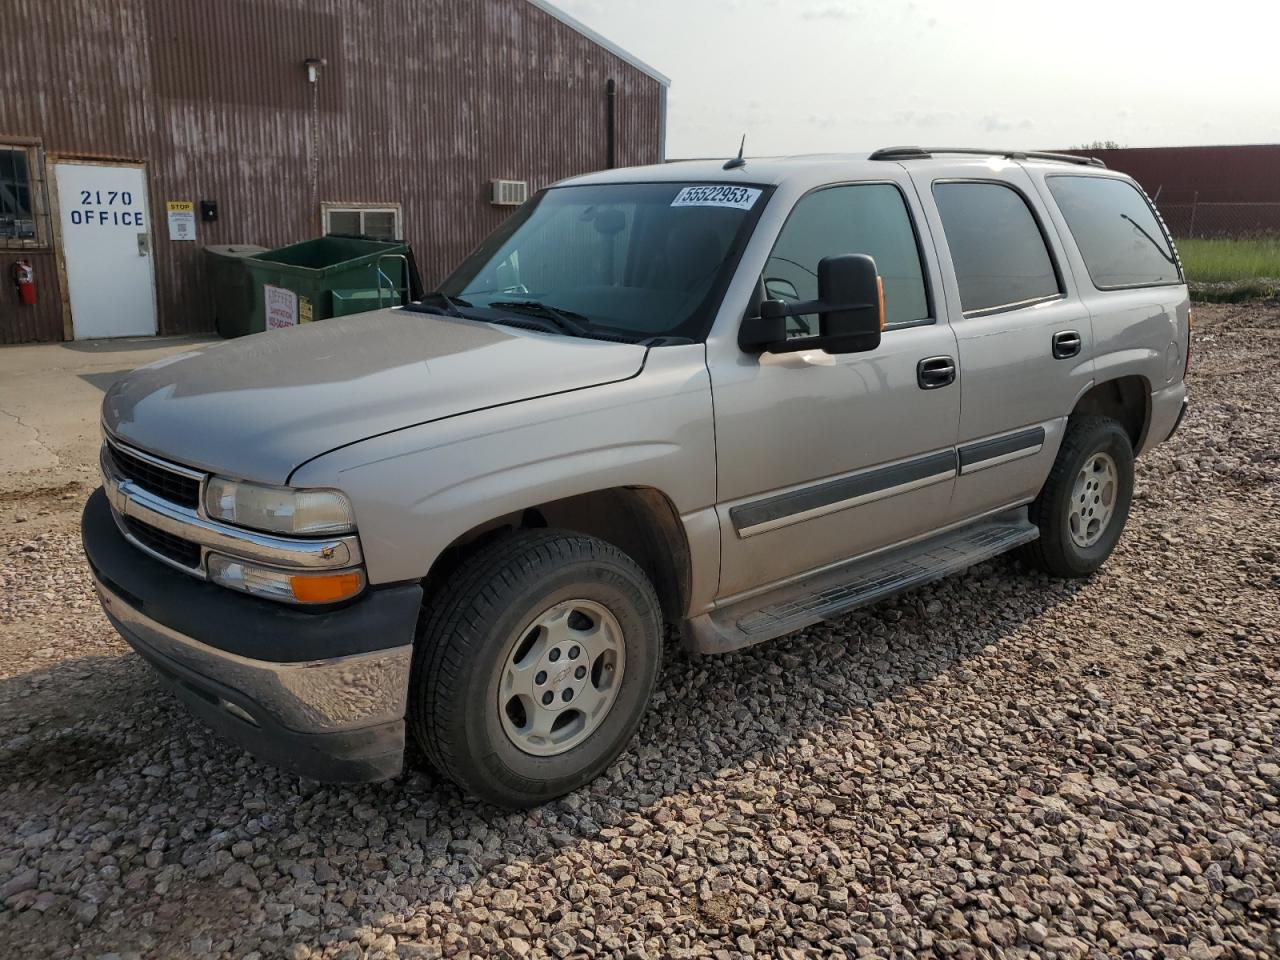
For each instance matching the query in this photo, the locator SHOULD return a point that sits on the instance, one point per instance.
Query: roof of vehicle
(774, 170)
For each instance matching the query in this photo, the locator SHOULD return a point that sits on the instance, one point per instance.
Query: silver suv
(733, 399)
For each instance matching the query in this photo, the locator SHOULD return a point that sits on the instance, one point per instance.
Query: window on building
(1122, 243)
(999, 253)
(382, 221)
(17, 198)
(870, 218)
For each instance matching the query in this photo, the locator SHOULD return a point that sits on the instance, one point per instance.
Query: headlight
(278, 509)
(287, 585)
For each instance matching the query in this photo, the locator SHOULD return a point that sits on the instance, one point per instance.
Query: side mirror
(850, 309)
(766, 332)
(851, 304)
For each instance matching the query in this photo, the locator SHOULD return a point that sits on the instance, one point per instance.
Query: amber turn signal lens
(326, 589)
(880, 293)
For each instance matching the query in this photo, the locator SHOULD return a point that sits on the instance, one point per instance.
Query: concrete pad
(50, 401)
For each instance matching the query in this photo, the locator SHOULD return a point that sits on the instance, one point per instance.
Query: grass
(1230, 261)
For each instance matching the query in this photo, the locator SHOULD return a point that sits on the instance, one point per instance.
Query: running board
(834, 592)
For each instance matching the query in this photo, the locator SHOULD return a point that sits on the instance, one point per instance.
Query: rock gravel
(999, 765)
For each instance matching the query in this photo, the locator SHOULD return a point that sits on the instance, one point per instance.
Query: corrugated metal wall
(421, 102)
(19, 324)
(1228, 191)
(1234, 174)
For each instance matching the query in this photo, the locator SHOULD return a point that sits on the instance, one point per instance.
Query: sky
(805, 76)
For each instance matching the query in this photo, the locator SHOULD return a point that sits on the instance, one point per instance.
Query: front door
(106, 247)
(823, 457)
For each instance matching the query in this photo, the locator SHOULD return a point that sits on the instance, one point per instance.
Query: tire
(1059, 550)
(488, 618)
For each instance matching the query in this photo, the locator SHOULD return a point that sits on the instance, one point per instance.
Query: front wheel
(534, 664)
(1083, 507)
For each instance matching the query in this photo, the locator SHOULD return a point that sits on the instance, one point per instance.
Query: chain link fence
(1193, 214)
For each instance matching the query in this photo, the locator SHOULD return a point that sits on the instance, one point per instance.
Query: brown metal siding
(19, 324)
(1229, 191)
(1236, 174)
(421, 102)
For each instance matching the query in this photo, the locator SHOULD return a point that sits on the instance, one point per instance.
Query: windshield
(636, 259)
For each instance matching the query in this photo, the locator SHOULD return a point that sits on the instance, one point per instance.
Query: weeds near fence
(1224, 260)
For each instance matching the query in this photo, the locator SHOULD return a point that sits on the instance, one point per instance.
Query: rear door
(1024, 337)
(1129, 274)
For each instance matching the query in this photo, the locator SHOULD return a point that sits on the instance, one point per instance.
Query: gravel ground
(998, 765)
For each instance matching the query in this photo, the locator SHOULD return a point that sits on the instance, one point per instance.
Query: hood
(258, 407)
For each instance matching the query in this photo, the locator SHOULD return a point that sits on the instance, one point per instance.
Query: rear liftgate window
(1122, 243)
(999, 253)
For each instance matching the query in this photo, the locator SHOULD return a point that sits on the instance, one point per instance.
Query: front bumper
(322, 694)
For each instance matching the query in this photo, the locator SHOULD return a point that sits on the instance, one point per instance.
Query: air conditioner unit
(510, 193)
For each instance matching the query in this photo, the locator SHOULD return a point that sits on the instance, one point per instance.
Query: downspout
(662, 123)
(611, 122)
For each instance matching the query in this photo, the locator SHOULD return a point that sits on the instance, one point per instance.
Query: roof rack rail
(900, 153)
(924, 153)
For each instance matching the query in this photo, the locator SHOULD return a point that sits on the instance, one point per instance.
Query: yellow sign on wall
(182, 219)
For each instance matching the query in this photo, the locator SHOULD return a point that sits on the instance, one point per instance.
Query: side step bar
(836, 591)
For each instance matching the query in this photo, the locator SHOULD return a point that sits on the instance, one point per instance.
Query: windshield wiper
(443, 304)
(1150, 239)
(565, 320)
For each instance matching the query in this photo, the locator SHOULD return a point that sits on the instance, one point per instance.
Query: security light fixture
(313, 66)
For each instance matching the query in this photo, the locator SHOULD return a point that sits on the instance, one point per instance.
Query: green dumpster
(232, 287)
(347, 301)
(295, 284)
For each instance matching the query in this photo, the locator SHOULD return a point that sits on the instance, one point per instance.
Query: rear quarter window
(1120, 239)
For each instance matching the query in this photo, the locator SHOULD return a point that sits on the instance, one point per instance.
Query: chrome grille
(177, 549)
(151, 476)
(156, 504)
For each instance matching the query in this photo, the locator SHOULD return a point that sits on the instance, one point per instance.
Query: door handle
(935, 372)
(1066, 343)
(144, 244)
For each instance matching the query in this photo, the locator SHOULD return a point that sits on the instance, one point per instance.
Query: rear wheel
(1083, 507)
(534, 664)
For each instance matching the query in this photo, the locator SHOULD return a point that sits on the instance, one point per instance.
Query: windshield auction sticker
(717, 195)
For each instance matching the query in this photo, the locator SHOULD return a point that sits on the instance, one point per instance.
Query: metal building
(1212, 191)
(135, 132)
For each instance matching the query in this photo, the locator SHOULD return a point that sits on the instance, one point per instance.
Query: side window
(380, 222)
(870, 218)
(1122, 243)
(18, 218)
(997, 248)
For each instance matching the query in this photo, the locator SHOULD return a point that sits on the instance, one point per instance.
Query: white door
(106, 245)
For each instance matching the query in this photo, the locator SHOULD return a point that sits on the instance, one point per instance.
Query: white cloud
(994, 124)
(819, 75)
(831, 11)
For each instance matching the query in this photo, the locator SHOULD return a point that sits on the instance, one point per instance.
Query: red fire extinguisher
(25, 278)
